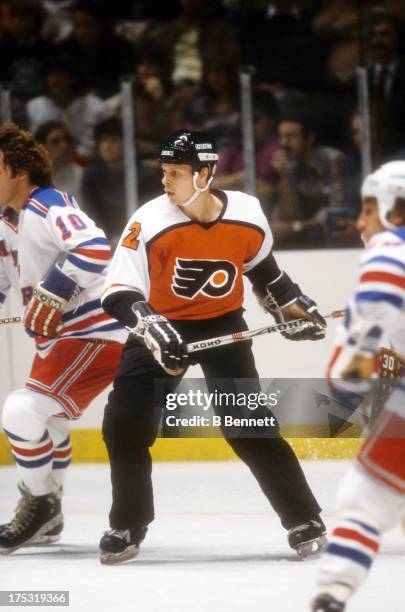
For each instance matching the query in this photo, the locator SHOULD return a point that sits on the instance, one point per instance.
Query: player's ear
(203, 175)
(22, 176)
(397, 215)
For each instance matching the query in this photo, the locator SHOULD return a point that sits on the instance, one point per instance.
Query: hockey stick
(8, 320)
(201, 345)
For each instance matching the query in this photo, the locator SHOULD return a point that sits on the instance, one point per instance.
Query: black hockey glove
(285, 301)
(158, 334)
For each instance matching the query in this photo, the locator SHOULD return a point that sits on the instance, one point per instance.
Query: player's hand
(43, 315)
(304, 308)
(286, 302)
(360, 367)
(161, 338)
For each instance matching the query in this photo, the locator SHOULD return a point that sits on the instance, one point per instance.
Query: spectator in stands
(310, 188)
(100, 57)
(103, 185)
(337, 23)
(231, 174)
(386, 75)
(23, 52)
(195, 35)
(67, 174)
(64, 101)
(215, 109)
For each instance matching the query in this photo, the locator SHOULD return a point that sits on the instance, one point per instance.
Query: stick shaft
(201, 345)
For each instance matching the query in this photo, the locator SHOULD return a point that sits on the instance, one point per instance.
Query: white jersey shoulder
(244, 208)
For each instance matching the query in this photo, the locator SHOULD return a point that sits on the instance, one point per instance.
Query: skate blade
(108, 558)
(44, 540)
(311, 548)
(33, 540)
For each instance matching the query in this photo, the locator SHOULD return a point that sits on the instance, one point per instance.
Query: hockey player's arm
(119, 305)
(358, 339)
(282, 298)
(127, 279)
(376, 307)
(84, 254)
(85, 247)
(44, 312)
(125, 298)
(152, 329)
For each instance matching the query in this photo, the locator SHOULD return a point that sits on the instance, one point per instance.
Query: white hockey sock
(352, 548)
(34, 462)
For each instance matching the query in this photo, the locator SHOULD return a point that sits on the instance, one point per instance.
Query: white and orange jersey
(52, 229)
(186, 269)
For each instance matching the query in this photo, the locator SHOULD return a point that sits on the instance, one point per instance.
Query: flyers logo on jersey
(214, 278)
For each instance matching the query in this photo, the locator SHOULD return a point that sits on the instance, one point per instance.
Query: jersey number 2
(130, 240)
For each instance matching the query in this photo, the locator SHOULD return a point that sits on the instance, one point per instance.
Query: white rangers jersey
(381, 288)
(186, 269)
(378, 306)
(52, 229)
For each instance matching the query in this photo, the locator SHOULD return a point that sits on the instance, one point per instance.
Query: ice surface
(215, 546)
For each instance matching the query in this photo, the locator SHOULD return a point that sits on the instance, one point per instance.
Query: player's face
(368, 222)
(9, 184)
(177, 182)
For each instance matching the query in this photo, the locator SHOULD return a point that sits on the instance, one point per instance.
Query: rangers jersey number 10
(52, 229)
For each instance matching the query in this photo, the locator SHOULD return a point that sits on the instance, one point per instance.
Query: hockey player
(372, 495)
(55, 258)
(177, 276)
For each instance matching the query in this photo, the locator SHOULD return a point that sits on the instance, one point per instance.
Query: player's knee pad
(367, 498)
(21, 417)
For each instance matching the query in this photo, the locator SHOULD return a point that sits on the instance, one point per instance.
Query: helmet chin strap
(197, 190)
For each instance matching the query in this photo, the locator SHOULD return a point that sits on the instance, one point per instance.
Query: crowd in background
(63, 61)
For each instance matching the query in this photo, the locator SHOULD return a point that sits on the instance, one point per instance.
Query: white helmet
(386, 185)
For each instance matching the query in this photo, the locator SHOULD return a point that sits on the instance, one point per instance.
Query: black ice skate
(327, 603)
(118, 545)
(51, 536)
(308, 538)
(36, 515)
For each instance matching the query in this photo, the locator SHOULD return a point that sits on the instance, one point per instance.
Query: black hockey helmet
(194, 148)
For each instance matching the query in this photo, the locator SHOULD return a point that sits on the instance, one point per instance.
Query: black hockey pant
(131, 422)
